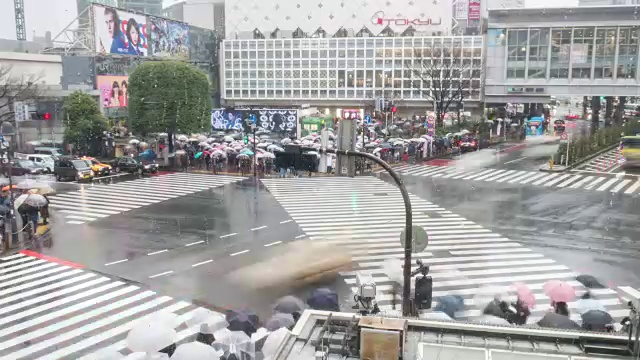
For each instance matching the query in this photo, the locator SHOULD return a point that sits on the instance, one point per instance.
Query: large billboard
(113, 90)
(276, 120)
(169, 38)
(119, 32)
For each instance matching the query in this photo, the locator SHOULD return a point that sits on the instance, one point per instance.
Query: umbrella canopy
(30, 184)
(246, 321)
(596, 319)
(559, 291)
(19, 200)
(215, 321)
(36, 200)
(586, 305)
(589, 281)
(198, 155)
(6, 188)
(273, 341)
(558, 321)
(228, 139)
(392, 267)
(450, 304)
(195, 351)
(4, 181)
(247, 152)
(324, 299)
(150, 337)
(134, 141)
(182, 138)
(280, 320)
(236, 341)
(525, 295)
(262, 145)
(204, 143)
(164, 318)
(289, 305)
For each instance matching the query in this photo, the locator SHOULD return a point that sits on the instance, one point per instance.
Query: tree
(16, 88)
(84, 124)
(169, 97)
(441, 77)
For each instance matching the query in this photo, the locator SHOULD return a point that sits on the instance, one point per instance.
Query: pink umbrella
(525, 295)
(559, 291)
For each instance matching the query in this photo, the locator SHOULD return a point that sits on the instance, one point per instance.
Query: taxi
(98, 168)
(630, 149)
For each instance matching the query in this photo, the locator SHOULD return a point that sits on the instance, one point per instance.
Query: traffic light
(245, 139)
(394, 109)
(47, 116)
(41, 115)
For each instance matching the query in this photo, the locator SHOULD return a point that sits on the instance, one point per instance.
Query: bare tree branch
(16, 88)
(440, 76)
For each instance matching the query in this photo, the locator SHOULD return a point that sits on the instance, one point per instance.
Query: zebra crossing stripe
(94, 202)
(607, 185)
(567, 182)
(581, 182)
(490, 174)
(555, 181)
(594, 183)
(462, 255)
(528, 179)
(633, 187)
(544, 179)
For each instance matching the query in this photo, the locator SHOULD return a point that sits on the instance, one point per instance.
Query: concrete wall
(49, 67)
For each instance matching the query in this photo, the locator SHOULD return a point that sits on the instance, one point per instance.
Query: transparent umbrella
(150, 337)
(273, 342)
(215, 321)
(195, 351)
(35, 200)
(30, 184)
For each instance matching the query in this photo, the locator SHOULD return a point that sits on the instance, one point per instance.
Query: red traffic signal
(46, 116)
(394, 109)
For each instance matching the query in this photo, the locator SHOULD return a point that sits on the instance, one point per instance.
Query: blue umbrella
(247, 152)
(324, 299)
(289, 305)
(280, 320)
(450, 304)
(245, 320)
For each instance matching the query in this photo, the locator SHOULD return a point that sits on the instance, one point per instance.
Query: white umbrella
(313, 153)
(260, 156)
(377, 150)
(228, 139)
(486, 294)
(237, 341)
(163, 135)
(393, 269)
(273, 341)
(106, 354)
(214, 320)
(147, 356)
(182, 138)
(195, 351)
(30, 184)
(219, 153)
(262, 145)
(202, 138)
(180, 152)
(35, 200)
(150, 337)
(270, 155)
(586, 305)
(20, 200)
(204, 143)
(286, 141)
(166, 318)
(134, 141)
(193, 139)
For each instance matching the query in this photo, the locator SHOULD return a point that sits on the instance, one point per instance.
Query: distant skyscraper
(151, 7)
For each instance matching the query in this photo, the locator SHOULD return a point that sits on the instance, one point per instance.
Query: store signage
(474, 10)
(351, 114)
(267, 119)
(379, 18)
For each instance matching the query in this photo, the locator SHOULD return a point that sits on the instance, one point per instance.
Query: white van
(44, 160)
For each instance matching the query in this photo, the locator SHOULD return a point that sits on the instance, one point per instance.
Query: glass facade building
(339, 69)
(607, 52)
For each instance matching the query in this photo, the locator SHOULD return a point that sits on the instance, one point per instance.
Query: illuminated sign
(378, 18)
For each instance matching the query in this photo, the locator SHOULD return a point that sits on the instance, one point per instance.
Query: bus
(534, 126)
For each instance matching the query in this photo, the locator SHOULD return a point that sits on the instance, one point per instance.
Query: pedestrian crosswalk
(603, 183)
(94, 202)
(607, 162)
(366, 215)
(54, 311)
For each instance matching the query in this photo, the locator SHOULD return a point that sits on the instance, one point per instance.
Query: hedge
(585, 146)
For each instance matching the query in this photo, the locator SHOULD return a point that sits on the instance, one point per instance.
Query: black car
(70, 168)
(24, 167)
(127, 164)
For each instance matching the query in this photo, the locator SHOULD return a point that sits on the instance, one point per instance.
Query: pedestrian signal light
(394, 109)
(47, 116)
(246, 139)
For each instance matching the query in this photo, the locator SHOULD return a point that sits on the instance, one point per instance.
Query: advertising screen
(119, 32)
(278, 120)
(169, 38)
(113, 90)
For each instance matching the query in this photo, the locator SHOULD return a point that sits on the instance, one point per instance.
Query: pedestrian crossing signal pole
(408, 239)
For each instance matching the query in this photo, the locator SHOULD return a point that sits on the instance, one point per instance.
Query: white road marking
(607, 185)
(157, 252)
(633, 187)
(116, 262)
(161, 274)
(516, 160)
(195, 243)
(75, 222)
(620, 186)
(273, 243)
(239, 252)
(224, 236)
(259, 228)
(202, 263)
(301, 236)
(286, 221)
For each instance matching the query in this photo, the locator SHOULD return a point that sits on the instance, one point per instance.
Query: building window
(538, 47)
(582, 53)
(516, 53)
(605, 53)
(627, 53)
(560, 50)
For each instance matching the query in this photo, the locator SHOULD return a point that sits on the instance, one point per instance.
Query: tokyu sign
(379, 18)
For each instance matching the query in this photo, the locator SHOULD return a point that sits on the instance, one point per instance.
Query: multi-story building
(207, 14)
(151, 7)
(533, 54)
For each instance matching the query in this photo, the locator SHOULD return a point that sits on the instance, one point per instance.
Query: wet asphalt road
(183, 247)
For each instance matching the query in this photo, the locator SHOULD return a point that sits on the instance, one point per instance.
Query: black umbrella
(289, 305)
(558, 321)
(596, 319)
(324, 299)
(590, 282)
(246, 321)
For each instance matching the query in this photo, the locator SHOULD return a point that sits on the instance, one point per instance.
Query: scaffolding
(77, 38)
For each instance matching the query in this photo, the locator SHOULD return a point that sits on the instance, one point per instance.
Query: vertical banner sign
(462, 9)
(431, 125)
(474, 10)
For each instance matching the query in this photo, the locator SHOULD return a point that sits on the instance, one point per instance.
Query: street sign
(19, 111)
(419, 239)
(367, 119)
(253, 118)
(564, 136)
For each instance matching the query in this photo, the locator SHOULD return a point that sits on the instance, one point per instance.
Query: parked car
(46, 161)
(23, 167)
(127, 164)
(70, 168)
(99, 169)
(55, 152)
